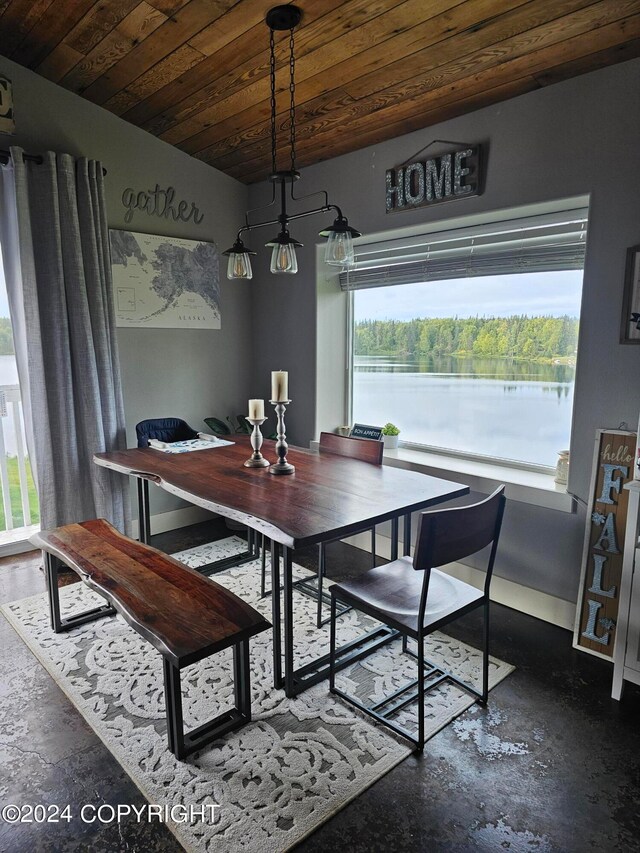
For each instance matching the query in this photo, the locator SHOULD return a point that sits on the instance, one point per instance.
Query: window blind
(531, 244)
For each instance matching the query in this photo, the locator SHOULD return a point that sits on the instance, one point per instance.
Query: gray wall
(574, 138)
(166, 372)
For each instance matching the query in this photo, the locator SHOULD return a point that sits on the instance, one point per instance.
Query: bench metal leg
(58, 624)
(183, 743)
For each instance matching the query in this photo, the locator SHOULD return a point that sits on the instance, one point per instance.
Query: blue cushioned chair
(164, 429)
(175, 429)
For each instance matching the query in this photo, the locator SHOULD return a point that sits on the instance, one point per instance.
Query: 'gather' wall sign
(455, 174)
(159, 202)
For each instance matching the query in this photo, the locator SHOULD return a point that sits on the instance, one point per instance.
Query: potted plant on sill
(390, 433)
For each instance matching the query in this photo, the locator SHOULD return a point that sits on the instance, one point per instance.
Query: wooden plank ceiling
(196, 72)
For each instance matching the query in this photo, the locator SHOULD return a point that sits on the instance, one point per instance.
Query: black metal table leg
(275, 615)
(144, 526)
(51, 576)
(144, 512)
(288, 621)
(321, 573)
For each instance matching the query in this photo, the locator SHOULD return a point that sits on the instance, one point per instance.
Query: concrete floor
(553, 764)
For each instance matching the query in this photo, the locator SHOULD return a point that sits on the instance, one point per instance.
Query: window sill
(524, 486)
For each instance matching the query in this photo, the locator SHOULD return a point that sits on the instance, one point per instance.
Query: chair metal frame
(425, 559)
(336, 444)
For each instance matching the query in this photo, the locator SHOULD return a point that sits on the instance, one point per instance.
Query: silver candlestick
(256, 460)
(281, 466)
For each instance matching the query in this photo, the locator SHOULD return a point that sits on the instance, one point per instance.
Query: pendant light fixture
(339, 249)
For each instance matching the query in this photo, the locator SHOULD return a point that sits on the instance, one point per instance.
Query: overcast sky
(536, 294)
(489, 296)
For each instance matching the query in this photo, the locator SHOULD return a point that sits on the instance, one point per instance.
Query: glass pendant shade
(284, 259)
(339, 249)
(239, 265)
(283, 253)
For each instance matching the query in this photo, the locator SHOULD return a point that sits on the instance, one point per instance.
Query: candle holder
(281, 466)
(256, 460)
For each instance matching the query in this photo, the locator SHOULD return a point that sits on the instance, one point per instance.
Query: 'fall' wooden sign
(597, 607)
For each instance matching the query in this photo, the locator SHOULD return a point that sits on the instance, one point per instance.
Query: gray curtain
(55, 248)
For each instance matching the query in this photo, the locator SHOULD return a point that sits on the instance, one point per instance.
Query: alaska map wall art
(165, 282)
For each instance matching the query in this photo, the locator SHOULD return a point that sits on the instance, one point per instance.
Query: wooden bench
(183, 614)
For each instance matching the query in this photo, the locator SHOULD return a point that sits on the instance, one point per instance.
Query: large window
(472, 354)
(19, 511)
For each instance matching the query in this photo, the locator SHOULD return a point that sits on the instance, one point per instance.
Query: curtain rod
(34, 158)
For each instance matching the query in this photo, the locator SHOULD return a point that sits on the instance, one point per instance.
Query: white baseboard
(543, 606)
(164, 521)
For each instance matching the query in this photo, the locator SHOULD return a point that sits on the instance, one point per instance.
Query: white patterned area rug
(277, 779)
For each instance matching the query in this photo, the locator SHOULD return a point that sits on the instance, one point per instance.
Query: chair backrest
(163, 429)
(447, 535)
(356, 448)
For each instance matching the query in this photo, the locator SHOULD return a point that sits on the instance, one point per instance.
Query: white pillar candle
(279, 386)
(256, 409)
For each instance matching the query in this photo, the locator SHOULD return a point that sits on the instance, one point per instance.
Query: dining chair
(163, 429)
(175, 429)
(415, 598)
(364, 449)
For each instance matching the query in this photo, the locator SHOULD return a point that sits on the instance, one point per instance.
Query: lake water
(489, 406)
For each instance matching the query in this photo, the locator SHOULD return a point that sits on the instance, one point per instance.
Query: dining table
(327, 498)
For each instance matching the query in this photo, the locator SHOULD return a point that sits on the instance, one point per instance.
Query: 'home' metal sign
(455, 174)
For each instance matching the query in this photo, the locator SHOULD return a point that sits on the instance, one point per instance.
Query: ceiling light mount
(339, 250)
(282, 18)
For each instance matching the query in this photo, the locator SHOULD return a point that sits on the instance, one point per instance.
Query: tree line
(519, 336)
(6, 337)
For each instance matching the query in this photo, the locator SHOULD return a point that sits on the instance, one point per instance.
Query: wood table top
(184, 614)
(327, 497)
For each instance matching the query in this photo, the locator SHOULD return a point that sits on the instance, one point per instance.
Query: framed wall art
(630, 326)
(164, 282)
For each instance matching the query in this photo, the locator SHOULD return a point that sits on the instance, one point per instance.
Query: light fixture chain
(292, 103)
(272, 78)
(340, 235)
